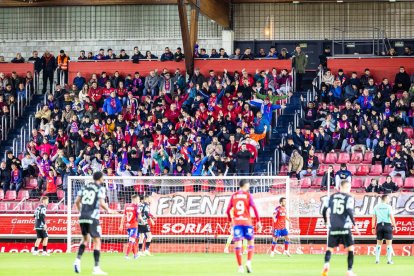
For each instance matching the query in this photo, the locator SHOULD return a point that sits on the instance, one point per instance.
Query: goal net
(190, 212)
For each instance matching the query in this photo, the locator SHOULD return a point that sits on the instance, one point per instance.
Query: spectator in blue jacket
(168, 55)
(260, 123)
(112, 105)
(266, 108)
(198, 163)
(365, 100)
(79, 81)
(342, 175)
(337, 92)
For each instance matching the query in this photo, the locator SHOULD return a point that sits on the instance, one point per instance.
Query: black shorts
(384, 231)
(346, 239)
(41, 233)
(144, 229)
(93, 229)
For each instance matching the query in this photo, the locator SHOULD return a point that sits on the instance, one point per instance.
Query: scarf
(310, 161)
(113, 103)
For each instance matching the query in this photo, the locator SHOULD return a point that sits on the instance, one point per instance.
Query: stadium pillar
(185, 34)
(194, 27)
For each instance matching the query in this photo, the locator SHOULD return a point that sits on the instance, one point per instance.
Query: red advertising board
(187, 226)
(20, 68)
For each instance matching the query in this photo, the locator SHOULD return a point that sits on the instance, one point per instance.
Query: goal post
(190, 212)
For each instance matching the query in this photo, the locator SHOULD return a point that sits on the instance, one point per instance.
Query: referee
(383, 224)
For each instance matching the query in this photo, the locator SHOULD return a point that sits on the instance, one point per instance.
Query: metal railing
(276, 157)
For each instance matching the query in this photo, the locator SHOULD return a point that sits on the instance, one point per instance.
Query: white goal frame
(264, 181)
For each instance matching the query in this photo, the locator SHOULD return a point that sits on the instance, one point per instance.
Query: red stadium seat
(1, 194)
(352, 168)
(317, 183)
(362, 170)
(357, 183)
(283, 170)
(398, 181)
(409, 132)
(32, 184)
(382, 180)
(376, 170)
(10, 195)
(60, 194)
(27, 207)
(188, 188)
(14, 207)
(387, 170)
(331, 158)
(356, 158)
(336, 167)
(343, 157)
(23, 194)
(367, 181)
(368, 157)
(322, 169)
(321, 157)
(53, 207)
(3, 206)
(63, 208)
(305, 183)
(409, 183)
(58, 181)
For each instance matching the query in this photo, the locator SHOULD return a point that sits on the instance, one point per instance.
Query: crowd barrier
(380, 67)
(20, 68)
(145, 66)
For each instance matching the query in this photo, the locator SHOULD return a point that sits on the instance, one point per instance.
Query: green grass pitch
(198, 265)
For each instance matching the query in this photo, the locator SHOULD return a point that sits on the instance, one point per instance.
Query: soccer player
(144, 229)
(89, 199)
(341, 220)
(40, 226)
(242, 201)
(279, 227)
(383, 223)
(131, 217)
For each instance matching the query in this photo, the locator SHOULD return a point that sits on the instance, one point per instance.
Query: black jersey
(40, 217)
(90, 195)
(144, 210)
(341, 213)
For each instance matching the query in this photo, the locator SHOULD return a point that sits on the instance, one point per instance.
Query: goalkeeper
(230, 239)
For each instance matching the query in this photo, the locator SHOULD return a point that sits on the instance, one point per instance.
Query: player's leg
(140, 242)
(249, 236)
(238, 237)
(44, 244)
(96, 256)
(82, 246)
(287, 241)
(244, 246)
(350, 260)
(274, 244)
(328, 255)
(148, 243)
(378, 251)
(131, 242)
(36, 247)
(389, 251)
(228, 242)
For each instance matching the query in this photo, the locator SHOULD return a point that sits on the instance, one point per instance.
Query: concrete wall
(93, 27)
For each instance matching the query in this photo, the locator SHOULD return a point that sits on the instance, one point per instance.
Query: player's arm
(102, 203)
(374, 222)
(121, 225)
(78, 202)
(350, 211)
(229, 209)
(325, 211)
(151, 218)
(394, 224)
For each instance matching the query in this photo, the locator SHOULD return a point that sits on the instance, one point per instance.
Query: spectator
(137, 55)
(79, 81)
(82, 55)
(373, 187)
(399, 165)
(49, 66)
(247, 55)
(16, 179)
(389, 186)
(342, 175)
(261, 54)
(214, 148)
(90, 56)
(112, 105)
(323, 58)
(151, 84)
(402, 78)
(203, 53)
(300, 61)
(311, 165)
(392, 149)
(100, 55)
(310, 114)
(110, 54)
(51, 186)
(236, 54)
(214, 54)
(18, 59)
(42, 117)
(365, 78)
(295, 164)
(37, 61)
(328, 176)
(167, 55)
(178, 55)
(5, 177)
(242, 163)
(328, 78)
(392, 53)
(272, 52)
(62, 67)
(149, 55)
(29, 165)
(222, 53)
(284, 54)
(408, 51)
(123, 55)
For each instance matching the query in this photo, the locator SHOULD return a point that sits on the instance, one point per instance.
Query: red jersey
(280, 218)
(51, 186)
(241, 202)
(131, 212)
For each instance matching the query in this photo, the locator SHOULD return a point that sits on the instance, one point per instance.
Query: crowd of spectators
(12, 88)
(151, 125)
(350, 114)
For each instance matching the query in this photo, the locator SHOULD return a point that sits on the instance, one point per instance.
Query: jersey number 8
(88, 197)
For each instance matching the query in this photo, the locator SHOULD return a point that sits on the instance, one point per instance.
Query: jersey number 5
(338, 206)
(88, 197)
